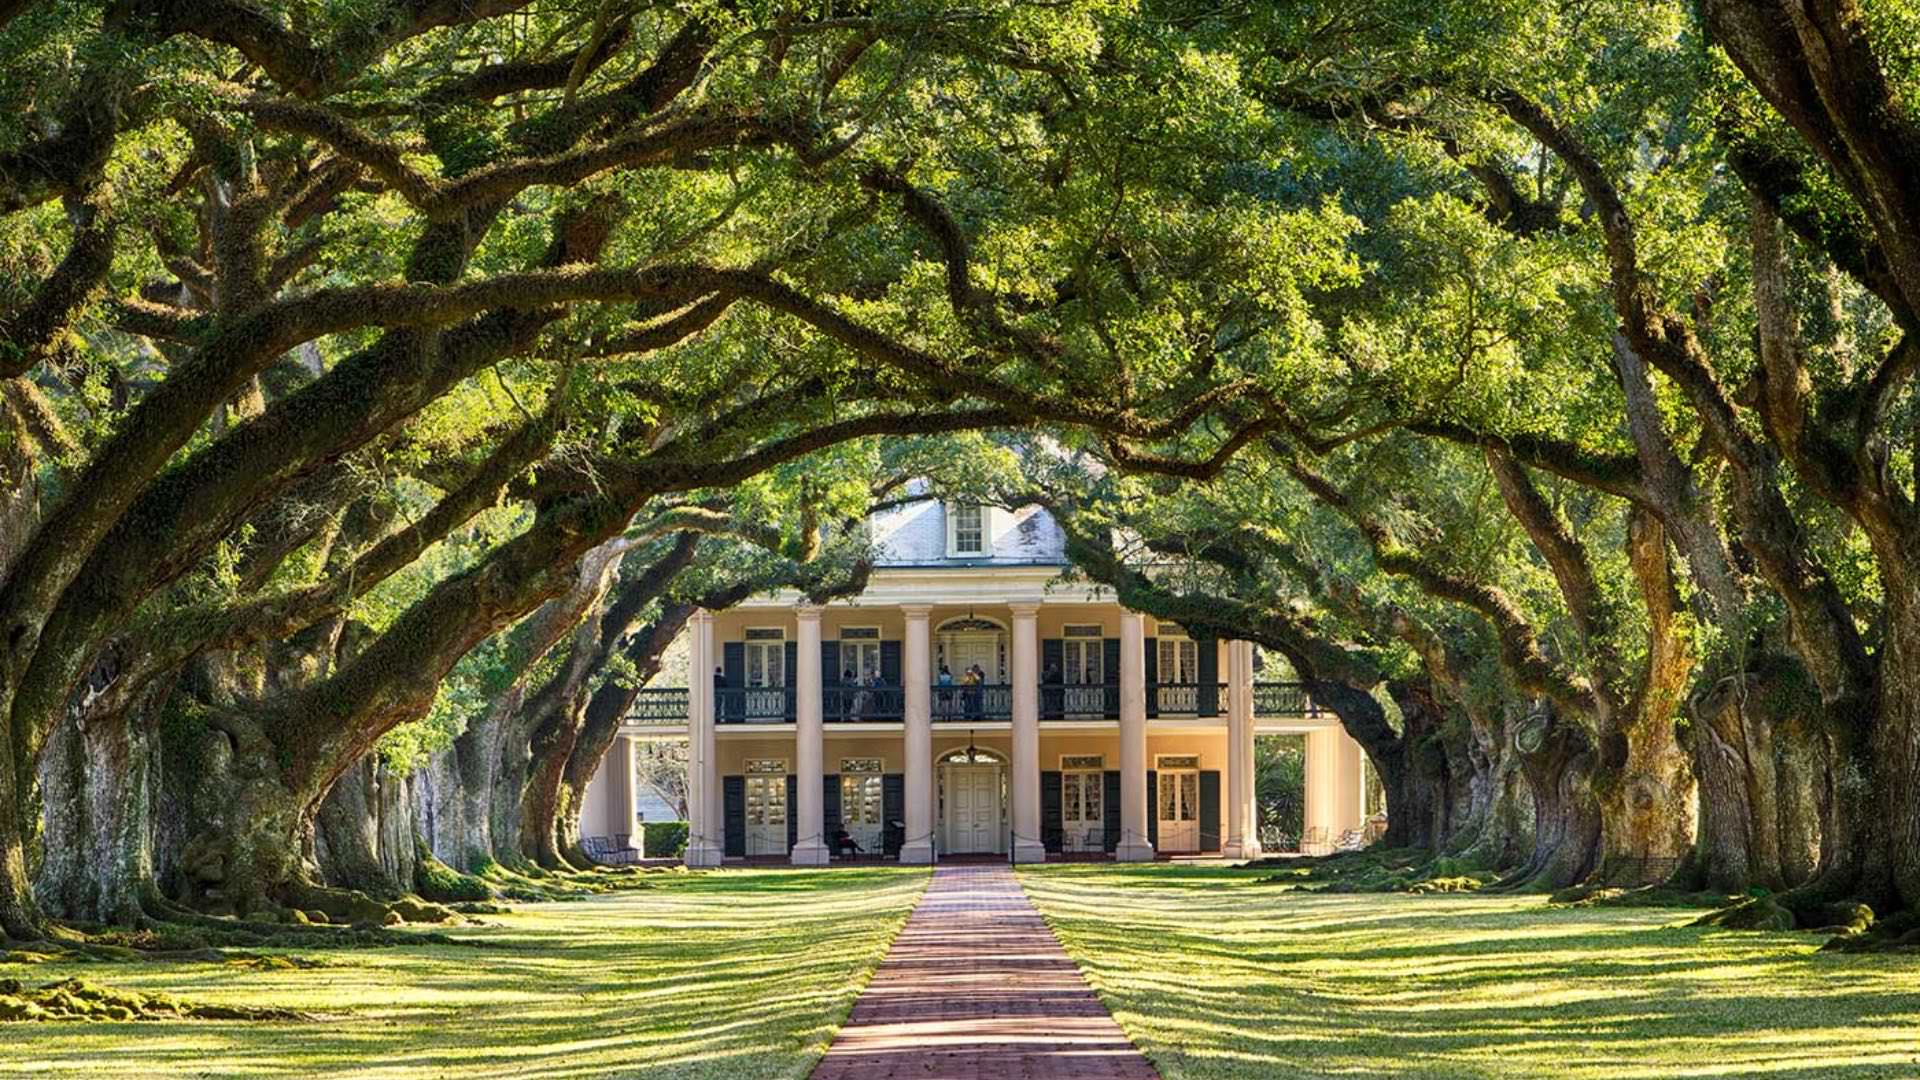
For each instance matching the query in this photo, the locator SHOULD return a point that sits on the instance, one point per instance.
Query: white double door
(1179, 797)
(973, 810)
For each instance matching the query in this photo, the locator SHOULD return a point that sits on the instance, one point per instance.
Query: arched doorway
(972, 801)
(962, 643)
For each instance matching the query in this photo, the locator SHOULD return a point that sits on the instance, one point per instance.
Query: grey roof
(915, 534)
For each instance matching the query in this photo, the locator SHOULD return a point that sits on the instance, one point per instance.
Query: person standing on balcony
(860, 696)
(945, 681)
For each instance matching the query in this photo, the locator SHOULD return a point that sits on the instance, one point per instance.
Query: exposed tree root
(439, 883)
(73, 999)
(1594, 894)
(1410, 870)
(523, 884)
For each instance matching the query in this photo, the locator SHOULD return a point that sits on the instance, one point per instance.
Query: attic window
(966, 529)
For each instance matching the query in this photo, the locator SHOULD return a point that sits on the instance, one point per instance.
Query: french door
(1082, 810)
(766, 672)
(1178, 796)
(767, 807)
(1085, 659)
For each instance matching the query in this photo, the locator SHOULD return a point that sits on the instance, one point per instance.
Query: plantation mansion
(967, 703)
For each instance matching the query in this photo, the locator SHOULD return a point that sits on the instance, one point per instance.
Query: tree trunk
(1418, 769)
(98, 778)
(605, 709)
(1557, 759)
(544, 801)
(1758, 817)
(364, 831)
(1498, 829)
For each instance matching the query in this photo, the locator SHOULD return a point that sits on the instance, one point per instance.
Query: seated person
(845, 844)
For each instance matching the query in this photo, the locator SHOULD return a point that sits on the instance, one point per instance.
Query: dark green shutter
(1110, 805)
(890, 663)
(1110, 661)
(793, 811)
(1209, 695)
(733, 790)
(792, 676)
(1153, 810)
(893, 813)
(1052, 826)
(1210, 810)
(1153, 676)
(829, 807)
(832, 705)
(733, 664)
(1053, 657)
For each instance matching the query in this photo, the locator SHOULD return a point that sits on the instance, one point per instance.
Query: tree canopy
(1534, 379)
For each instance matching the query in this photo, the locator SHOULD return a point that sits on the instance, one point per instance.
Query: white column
(810, 845)
(1353, 784)
(704, 841)
(716, 794)
(1242, 840)
(1336, 787)
(1027, 845)
(916, 671)
(1134, 846)
(624, 807)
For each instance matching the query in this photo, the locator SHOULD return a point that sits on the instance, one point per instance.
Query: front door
(973, 809)
(1179, 799)
(967, 650)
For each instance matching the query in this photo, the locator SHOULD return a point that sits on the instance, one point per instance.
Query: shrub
(666, 839)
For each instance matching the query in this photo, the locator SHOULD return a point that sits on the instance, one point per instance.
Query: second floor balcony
(954, 703)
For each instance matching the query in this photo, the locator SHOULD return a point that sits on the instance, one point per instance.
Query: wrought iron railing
(860, 704)
(1187, 699)
(752, 704)
(959, 704)
(1079, 701)
(660, 705)
(1283, 699)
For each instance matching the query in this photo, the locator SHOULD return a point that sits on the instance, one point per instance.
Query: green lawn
(1216, 976)
(736, 974)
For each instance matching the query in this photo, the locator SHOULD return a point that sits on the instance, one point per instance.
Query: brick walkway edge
(977, 986)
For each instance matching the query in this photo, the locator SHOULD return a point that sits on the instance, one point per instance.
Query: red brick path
(977, 986)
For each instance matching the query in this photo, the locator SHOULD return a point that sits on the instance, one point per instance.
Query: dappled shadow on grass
(732, 974)
(1216, 976)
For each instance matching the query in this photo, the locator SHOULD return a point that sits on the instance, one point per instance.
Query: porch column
(1134, 846)
(1242, 839)
(623, 806)
(916, 667)
(810, 845)
(705, 845)
(1336, 788)
(1027, 845)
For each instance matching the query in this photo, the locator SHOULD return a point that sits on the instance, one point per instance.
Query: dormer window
(966, 529)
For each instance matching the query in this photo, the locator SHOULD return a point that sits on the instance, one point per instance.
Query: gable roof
(915, 534)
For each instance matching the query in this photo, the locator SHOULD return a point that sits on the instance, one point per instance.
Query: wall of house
(1209, 745)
